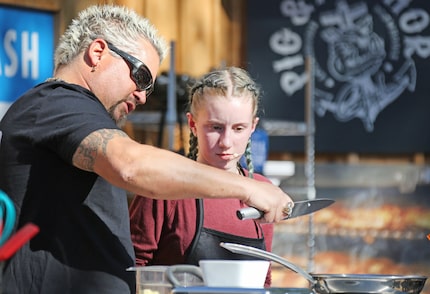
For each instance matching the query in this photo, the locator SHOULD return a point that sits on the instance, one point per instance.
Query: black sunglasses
(139, 72)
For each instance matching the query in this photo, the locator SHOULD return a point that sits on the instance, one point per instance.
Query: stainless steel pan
(341, 283)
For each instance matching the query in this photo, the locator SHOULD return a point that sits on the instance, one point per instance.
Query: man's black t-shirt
(84, 241)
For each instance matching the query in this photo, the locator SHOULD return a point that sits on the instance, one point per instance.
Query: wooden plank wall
(207, 34)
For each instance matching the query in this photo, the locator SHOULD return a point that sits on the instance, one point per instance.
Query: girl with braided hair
(222, 115)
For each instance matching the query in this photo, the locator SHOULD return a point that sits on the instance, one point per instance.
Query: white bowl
(234, 273)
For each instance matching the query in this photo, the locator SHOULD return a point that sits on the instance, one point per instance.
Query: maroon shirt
(163, 230)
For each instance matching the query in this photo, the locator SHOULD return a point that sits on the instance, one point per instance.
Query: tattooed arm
(158, 173)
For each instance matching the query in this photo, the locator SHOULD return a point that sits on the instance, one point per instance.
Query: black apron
(206, 242)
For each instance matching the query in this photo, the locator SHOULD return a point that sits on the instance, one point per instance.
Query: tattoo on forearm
(86, 154)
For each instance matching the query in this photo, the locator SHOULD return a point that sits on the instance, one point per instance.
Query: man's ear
(95, 52)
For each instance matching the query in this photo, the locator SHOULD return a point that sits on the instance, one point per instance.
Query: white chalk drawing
(359, 69)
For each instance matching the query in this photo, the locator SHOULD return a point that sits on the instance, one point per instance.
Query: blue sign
(26, 50)
(259, 150)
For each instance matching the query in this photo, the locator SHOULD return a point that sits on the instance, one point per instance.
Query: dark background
(400, 127)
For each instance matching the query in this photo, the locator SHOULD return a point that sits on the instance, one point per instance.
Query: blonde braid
(248, 158)
(192, 153)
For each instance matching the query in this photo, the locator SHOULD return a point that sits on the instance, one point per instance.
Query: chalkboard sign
(371, 71)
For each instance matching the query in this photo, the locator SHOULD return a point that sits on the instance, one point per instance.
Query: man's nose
(140, 97)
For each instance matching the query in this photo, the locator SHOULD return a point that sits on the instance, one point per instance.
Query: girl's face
(223, 126)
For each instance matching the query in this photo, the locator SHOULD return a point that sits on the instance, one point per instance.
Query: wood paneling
(196, 36)
(207, 34)
(164, 15)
